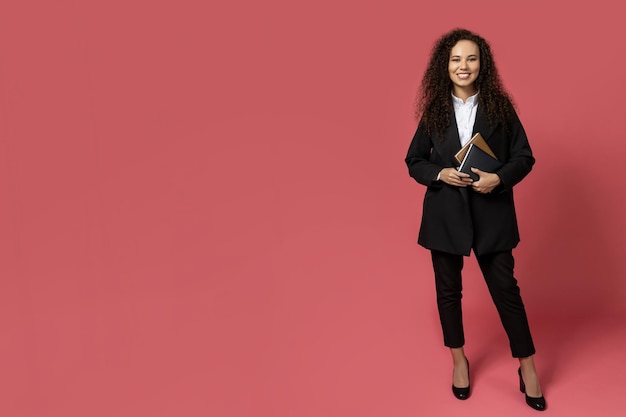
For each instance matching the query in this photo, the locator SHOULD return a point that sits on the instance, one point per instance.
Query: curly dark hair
(434, 102)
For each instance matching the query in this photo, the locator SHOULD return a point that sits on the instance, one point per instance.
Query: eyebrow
(469, 56)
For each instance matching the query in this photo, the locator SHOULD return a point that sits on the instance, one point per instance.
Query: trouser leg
(497, 268)
(447, 268)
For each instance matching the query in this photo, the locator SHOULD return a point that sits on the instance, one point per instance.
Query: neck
(464, 93)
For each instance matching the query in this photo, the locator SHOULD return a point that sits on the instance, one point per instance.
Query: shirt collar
(470, 100)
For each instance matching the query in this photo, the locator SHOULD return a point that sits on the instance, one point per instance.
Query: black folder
(477, 140)
(477, 158)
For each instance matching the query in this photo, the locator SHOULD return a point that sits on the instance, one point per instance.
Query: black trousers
(497, 269)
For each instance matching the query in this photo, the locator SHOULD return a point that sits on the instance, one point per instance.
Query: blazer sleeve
(419, 159)
(520, 160)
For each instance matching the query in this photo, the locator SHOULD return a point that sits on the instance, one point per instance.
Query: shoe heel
(522, 386)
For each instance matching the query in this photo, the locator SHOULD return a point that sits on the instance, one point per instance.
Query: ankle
(458, 356)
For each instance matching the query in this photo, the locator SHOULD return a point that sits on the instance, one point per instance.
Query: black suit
(456, 220)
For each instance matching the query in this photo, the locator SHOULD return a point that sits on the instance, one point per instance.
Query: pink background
(205, 209)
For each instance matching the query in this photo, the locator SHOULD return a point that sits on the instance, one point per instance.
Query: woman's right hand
(452, 176)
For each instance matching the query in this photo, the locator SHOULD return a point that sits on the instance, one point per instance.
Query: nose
(464, 64)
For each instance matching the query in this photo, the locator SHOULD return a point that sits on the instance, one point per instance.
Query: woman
(461, 94)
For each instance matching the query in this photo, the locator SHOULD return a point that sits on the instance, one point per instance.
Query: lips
(463, 76)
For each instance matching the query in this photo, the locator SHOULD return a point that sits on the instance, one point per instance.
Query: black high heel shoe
(538, 403)
(462, 393)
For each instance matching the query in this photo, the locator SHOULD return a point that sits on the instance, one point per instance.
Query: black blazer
(456, 219)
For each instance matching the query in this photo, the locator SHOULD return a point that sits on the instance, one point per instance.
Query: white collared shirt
(465, 114)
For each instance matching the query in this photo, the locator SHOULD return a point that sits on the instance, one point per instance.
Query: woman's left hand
(487, 181)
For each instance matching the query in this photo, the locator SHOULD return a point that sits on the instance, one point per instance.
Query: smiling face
(463, 68)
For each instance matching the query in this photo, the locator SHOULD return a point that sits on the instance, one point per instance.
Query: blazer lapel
(482, 124)
(450, 144)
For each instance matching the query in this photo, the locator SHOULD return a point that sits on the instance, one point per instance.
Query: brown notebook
(477, 140)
